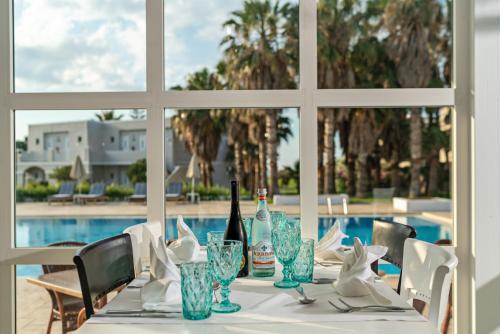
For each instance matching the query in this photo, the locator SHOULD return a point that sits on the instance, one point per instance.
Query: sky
(99, 45)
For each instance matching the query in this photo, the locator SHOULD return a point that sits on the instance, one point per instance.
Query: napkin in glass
(356, 278)
(186, 248)
(163, 291)
(328, 248)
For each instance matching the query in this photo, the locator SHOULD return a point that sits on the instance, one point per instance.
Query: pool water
(36, 232)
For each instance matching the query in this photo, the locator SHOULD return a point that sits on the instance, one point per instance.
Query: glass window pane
(77, 46)
(229, 143)
(76, 171)
(386, 168)
(233, 44)
(384, 44)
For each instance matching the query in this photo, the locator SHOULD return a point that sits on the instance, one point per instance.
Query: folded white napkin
(328, 247)
(163, 291)
(186, 248)
(356, 278)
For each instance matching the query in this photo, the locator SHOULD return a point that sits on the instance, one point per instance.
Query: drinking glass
(286, 240)
(303, 266)
(215, 236)
(276, 216)
(225, 259)
(196, 288)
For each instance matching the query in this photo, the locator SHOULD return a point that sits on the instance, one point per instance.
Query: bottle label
(261, 215)
(263, 255)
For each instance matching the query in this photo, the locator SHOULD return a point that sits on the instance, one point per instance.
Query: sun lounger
(174, 192)
(96, 194)
(140, 193)
(65, 193)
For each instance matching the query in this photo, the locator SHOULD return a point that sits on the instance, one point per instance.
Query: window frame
(308, 98)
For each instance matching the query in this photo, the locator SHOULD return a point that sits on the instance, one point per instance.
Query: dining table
(65, 282)
(265, 309)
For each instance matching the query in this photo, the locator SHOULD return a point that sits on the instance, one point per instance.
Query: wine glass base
(286, 284)
(226, 308)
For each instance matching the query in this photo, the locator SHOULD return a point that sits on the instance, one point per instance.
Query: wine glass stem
(287, 273)
(224, 294)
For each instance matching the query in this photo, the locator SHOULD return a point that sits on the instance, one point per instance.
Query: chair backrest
(54, 268)
(97, 189)
(391, 235)
(140, 188)
(67, 188)
(141, 235)
(175, 188)
(104, 266)
(426, 276)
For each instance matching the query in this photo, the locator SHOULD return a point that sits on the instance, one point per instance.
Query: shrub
(35, 192)
(118, 192)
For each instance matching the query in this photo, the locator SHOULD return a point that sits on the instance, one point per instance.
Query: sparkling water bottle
(262, 247)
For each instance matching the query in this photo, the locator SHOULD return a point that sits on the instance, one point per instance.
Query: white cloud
(69, 45)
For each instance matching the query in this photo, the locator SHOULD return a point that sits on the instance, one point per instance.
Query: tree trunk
(416, 151)
(204, 175)
(329, 152)
(256, 178)
(262, 180)
(351, 175)
(238, 163)
(395, 177)
(363, 179)
(272, 151)
(433, 173)
(321, 170)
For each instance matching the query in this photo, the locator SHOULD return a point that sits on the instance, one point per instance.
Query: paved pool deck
(204, 208)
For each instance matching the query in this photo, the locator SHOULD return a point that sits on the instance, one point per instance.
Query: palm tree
(362, 140)
(256, 58)
(201, 129)
(413, 28)
(337, 27)
(108, 115)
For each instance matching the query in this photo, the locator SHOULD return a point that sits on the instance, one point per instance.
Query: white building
(107, 149)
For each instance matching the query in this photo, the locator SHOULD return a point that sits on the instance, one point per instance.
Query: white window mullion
(155, 115)
(308, 120)
(7, 279)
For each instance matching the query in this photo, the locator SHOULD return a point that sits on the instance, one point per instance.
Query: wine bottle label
(263, 255)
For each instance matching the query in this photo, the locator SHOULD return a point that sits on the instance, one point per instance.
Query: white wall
(487, 165)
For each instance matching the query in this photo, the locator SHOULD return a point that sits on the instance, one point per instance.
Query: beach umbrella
(193, 172)
(77, 170)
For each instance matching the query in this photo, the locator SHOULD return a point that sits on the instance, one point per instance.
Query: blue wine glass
(225, 261)
(286, 239)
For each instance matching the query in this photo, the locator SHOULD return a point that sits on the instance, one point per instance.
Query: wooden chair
(427, 275)
(393, 236)
(104, 266)
(64, 308)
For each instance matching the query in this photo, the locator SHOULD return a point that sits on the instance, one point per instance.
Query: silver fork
(355, 309)
(389, 307)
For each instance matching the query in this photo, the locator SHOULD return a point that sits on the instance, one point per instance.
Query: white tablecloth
(263, 305)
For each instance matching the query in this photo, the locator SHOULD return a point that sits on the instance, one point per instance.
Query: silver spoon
(304, 299)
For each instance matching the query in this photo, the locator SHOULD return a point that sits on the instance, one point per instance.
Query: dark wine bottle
(235, 229)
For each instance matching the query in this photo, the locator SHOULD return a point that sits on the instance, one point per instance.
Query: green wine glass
(286, 239)
(225, 260)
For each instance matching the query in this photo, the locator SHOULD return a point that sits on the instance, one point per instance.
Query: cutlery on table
(357, 309)
(137, 315)
(389, 307)
(323, 280)
(303, 299)
(139, 311)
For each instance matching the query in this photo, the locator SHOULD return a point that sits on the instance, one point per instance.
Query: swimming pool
(36, 232)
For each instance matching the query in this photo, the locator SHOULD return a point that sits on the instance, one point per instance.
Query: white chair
(141, 236)
(427, 274)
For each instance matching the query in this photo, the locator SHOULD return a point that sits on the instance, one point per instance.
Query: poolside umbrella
(193, 172)
(77, 170)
